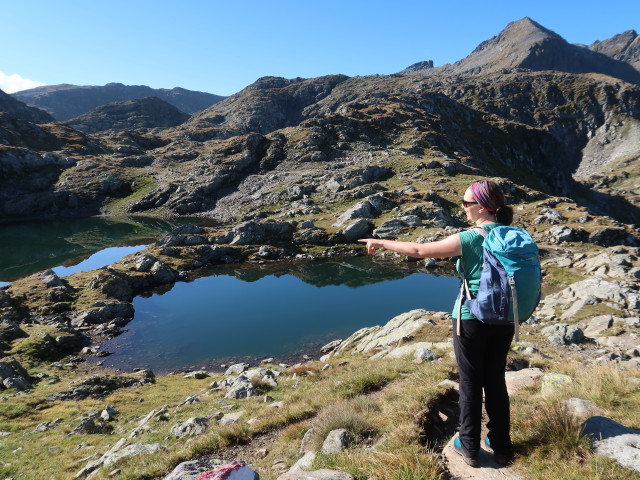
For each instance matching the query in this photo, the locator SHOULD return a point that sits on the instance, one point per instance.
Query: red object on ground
(221, 473)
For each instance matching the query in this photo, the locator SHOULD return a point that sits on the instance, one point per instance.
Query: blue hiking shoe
(471, 460)
(501, 458)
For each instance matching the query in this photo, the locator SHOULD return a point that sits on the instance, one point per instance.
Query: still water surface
(30, 247)
(248, 314)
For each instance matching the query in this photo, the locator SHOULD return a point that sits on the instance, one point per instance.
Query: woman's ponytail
(504, 215)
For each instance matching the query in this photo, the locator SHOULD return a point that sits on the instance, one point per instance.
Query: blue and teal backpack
(510, 283)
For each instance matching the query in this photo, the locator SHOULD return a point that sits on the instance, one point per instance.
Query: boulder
(610, 236)
(306, 444)
(103, 313)
(420, 350)
(144, 261)
(552, 381)
(237, 369)
(575, 297)
(193, 426)
(399, 329)
(98, 386)
(230, 418)
(324, 474)
(598, 324)
(132, 450)
(566, 234)
(616, 262)
(186, 471)
(614, 440)
(305, 463)
(336, 441)
(391, 229)
(563, 334)
(90, 426)
(241, 389)
(359, 210)
(522, 379)
(583, 408)
(358, 229)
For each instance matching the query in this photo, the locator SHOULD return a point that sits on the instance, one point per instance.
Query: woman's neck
(485, 221)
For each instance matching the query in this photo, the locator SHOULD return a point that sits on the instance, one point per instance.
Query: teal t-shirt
(471, 258)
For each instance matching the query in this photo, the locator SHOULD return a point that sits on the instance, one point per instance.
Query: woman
(481, 349)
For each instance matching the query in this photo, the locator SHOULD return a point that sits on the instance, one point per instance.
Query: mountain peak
(523, 32)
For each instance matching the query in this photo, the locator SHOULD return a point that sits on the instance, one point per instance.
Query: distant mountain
(18, 109)
(525, 44)
(624, 47)
(149, 112)
(266, 105)
(68, 101)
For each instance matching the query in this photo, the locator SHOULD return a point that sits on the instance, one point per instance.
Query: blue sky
(222, 46)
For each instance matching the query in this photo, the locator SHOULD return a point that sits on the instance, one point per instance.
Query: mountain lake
(231, 313)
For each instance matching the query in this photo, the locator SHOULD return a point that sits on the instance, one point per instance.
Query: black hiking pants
(481, 352)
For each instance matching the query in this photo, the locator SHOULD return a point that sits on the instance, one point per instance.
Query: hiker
(480, 348)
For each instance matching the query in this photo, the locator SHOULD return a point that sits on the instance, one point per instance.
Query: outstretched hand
(372, 244)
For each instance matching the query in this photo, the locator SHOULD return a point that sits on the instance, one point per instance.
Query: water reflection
(29, 247)
(274, 311)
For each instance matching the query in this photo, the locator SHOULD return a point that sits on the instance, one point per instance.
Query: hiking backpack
(510, 281)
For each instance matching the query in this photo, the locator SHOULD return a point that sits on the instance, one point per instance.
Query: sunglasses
(466, 204)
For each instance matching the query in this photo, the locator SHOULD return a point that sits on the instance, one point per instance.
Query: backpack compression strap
(516, 319)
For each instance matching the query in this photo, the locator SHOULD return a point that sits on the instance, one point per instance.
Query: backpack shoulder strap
(480, 231)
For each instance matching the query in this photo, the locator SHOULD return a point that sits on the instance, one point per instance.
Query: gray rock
(10, 367)
(144, 261)
(186, 471)
(563, 334)
(193, 426)
(230, 418)
(92, 427)
(336, 441)
(306, 444)
(331, 346)
(566, 234)
(598, 324)
(591, 291)
(198, 374)
(358, 229)
(399, 329)
(390, 229)
(522, 379)
(583, 408)
(18, 383)
(305, 463)
(108, 413)
(241, 390)
(610, 236)
(46, 426)
(323, 474)
(552, 381)
(237, 369)
(614, 440)
(132, 450)
(359, 210)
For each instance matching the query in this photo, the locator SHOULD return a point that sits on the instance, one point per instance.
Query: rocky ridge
(525, 44)
(65, 101)
(139, 114)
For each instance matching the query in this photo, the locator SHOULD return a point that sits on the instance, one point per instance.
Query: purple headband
(481, 192)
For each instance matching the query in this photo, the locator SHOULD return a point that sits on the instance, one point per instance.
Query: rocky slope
(64, 102)
(624, 47)
(525, 44)
(18, 110)
(139, 114)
